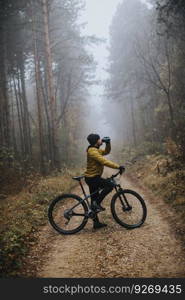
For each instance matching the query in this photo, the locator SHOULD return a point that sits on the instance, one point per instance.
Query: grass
(23, 214)
(165, 176)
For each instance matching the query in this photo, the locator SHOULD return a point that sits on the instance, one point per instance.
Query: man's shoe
(99, 225)
(97, 207)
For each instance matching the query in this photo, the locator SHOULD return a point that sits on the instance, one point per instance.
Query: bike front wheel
(68, 214)
(128, 209)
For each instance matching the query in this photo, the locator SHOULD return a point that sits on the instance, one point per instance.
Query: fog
(69, 68)
(110, 67)
(98, 17)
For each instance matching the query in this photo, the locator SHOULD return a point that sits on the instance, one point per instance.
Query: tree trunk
(171, 113)
(50, 86)
(5, 120)
(19, 118)
(28, 144)
(38, 92)
(133, 121)
(14, 142)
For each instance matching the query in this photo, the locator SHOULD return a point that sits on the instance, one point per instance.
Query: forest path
(152, 250)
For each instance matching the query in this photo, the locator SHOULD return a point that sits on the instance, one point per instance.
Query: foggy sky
(98, 15)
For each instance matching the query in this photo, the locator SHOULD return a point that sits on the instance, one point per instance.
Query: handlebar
(116, 174)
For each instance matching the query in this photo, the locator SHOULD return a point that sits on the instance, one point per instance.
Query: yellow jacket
(96, 161)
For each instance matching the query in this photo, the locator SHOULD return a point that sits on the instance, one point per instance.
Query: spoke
(68, 214)
(129, 209)
(77, 214)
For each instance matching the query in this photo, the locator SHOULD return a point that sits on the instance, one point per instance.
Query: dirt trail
(152, 250)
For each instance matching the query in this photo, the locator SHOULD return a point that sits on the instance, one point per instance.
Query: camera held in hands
(106, 139)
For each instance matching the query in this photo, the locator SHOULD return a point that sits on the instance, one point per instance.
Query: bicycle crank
(91, 214)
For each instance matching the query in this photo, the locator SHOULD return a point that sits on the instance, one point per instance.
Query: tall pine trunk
(38, 92)
(50, 86)
(26, 120)
(5, 118)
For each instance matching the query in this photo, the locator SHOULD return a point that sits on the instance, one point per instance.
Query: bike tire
(61, 199)
(137, 200)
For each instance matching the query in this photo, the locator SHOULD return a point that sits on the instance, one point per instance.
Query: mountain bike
(69, 213)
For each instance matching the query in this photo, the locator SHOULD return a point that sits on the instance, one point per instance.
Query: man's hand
(122, 169)
(106, 140)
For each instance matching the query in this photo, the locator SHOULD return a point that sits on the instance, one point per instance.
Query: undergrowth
(22, 215)
(163, 173)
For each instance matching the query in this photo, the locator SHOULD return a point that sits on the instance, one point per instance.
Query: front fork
(125, 205)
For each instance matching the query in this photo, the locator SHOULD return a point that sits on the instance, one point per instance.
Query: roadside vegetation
(163, 172)
(22, 215)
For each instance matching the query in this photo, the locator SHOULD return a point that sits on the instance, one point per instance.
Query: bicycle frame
(117, 187)
(85, 197)
(120, 198)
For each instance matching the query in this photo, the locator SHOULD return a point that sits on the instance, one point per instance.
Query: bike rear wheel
(128, 209)
(68, 214)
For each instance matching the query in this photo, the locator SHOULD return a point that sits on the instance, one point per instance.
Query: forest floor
(153, 250)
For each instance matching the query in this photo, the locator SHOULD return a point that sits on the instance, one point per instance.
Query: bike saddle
(78, 178)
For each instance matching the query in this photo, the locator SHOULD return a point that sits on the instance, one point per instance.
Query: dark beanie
(93, 138)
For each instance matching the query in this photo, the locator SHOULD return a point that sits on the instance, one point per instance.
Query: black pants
(97, 182)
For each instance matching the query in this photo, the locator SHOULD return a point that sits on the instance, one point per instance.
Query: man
(95, 165)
